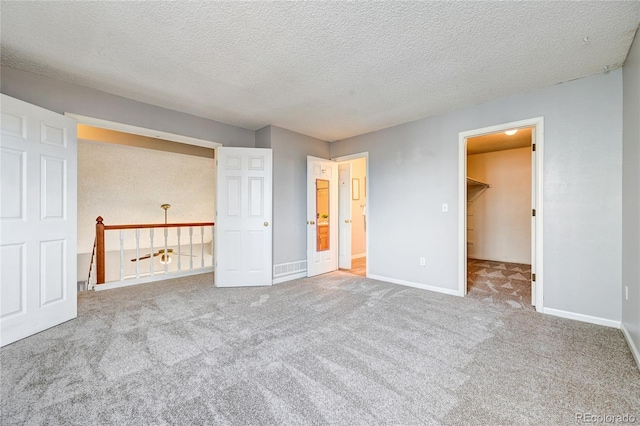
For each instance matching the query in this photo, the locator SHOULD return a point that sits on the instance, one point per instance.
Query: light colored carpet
(337, 349)
(499, 282)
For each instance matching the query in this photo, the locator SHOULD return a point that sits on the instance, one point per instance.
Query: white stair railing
(131, 245)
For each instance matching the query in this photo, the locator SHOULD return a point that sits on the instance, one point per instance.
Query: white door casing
(243, 225)
(38, 219)
(344, 215)
(533, 217)
(320, 262)
(537, 186)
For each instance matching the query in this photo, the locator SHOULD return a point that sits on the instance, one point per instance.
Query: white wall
(127, 185)
(501, 215)
(413, 169)
(60, 96)
(631, 196)
(358, 229)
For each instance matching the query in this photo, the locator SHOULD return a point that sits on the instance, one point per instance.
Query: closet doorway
(501, 214)
(352, 215)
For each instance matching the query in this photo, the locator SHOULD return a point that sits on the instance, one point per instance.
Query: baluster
(90, 277)
(191, 248)
(121, 255)
(179, 248)
(166, 252)
(202, 246)
(137, 253)
(213, 258)
(151, 259)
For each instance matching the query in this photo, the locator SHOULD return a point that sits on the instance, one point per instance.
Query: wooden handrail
(101, 227)
(158, 225)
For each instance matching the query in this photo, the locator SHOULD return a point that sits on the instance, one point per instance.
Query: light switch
(445, 207)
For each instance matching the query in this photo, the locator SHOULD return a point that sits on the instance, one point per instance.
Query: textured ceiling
(499, 141)
(325, 69)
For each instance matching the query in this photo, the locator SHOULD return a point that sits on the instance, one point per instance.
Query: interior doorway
(498, 217)
(352, 181)
(500, 214)
(337, 210)
(128, 175)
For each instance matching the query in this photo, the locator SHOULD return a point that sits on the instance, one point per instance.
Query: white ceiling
(325, 69)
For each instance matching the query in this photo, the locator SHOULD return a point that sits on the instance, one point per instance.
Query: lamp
(165, 258)
(511, 132)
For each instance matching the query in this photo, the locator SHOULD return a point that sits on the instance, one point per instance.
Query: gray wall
(61, 97)
(263, 137)
(413, 169)
(290, 151)
(631, 193)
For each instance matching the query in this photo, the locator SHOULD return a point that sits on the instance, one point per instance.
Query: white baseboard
(415, 285)
(358, 256)
(582, 317)
(160, 276)
(632, 345)
(292, 277)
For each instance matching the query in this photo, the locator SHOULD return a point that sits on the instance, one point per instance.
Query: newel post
(99, 251)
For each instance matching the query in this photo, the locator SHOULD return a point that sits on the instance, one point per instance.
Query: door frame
(344, 196)
(538, 124)
(350, 157)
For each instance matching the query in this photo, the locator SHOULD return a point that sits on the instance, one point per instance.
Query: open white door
(344, 216)
(243, 217)
(38, 219)
(322, 215)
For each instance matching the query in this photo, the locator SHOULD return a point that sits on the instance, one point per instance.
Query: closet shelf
(472, 183)
(475, 188)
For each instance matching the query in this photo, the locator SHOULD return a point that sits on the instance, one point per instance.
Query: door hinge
(533, 277)
(533, 212)
(533, 147)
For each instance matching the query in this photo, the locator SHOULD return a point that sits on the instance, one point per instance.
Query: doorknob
(347, 221)
(311, 223)
(266, 224)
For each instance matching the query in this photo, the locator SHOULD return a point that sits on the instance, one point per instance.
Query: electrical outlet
(423, 261)
(626, 292)
(445, 207)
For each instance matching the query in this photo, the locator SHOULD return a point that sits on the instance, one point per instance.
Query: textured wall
(631, 194)
(127, 185)
(61, 97)
(501, 215)
(413, 168)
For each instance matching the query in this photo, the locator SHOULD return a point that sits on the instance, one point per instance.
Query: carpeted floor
(499, 282)
(337, 349)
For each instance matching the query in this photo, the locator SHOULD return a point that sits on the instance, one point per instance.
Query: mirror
(322, 215)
